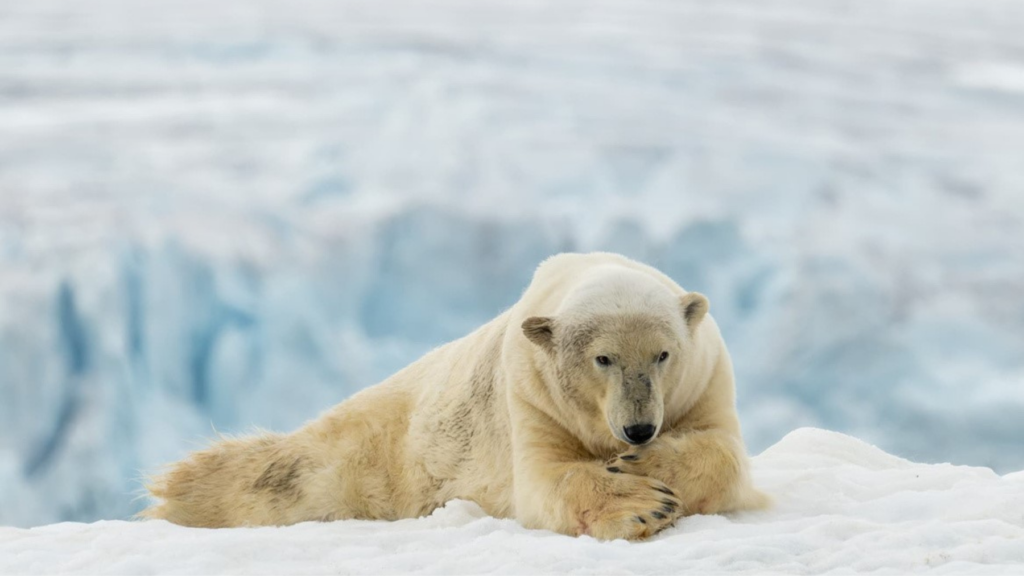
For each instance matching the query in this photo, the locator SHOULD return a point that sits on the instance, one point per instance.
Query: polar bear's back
(567, 268)
(564, 278)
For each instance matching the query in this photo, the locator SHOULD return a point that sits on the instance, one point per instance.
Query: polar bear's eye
(603, 360)
(663, 357)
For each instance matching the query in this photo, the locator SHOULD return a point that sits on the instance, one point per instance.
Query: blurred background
(220, 215)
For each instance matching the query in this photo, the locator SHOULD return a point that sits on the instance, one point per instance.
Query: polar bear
(601, 403)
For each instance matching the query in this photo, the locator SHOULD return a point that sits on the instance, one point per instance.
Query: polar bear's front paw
(633, 508)
(701, 477)
(652, 461)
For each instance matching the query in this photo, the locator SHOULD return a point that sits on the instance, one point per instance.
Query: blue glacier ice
(215, 220)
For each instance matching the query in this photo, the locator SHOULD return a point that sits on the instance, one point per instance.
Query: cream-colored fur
(521, 417)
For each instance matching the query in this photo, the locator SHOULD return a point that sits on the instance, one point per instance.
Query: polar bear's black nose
(639, 433)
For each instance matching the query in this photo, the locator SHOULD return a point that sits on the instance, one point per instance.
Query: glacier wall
(235, 215)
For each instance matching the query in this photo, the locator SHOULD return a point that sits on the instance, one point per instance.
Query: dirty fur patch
(281, 476)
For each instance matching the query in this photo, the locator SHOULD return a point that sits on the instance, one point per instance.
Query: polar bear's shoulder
(577, 286)
(568, 262)
(571, 268)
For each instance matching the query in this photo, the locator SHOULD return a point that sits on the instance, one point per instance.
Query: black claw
(665, 491)
(629, 457)
(669, 503)
(668, 509)
(658, 515)
(641, 520)
(613, 469)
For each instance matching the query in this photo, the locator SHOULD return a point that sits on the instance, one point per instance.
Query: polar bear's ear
(540, 331)
(695, 306)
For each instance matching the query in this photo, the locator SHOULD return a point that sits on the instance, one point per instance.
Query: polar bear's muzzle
(635, 412)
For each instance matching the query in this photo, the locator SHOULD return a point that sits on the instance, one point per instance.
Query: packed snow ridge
(841, 506)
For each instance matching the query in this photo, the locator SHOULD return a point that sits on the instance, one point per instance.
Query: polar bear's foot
(627, 506)
(703, 468)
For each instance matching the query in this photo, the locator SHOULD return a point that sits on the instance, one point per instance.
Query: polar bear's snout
(634, 406)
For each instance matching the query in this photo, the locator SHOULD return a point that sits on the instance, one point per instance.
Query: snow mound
(841, 506)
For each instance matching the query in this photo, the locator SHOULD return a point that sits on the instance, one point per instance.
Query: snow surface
(842, 506)
(237, 213)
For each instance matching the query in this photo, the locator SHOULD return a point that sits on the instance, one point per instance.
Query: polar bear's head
(618, 343)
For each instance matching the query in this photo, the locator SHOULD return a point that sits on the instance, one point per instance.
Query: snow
(235, 214)
(842, 506)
